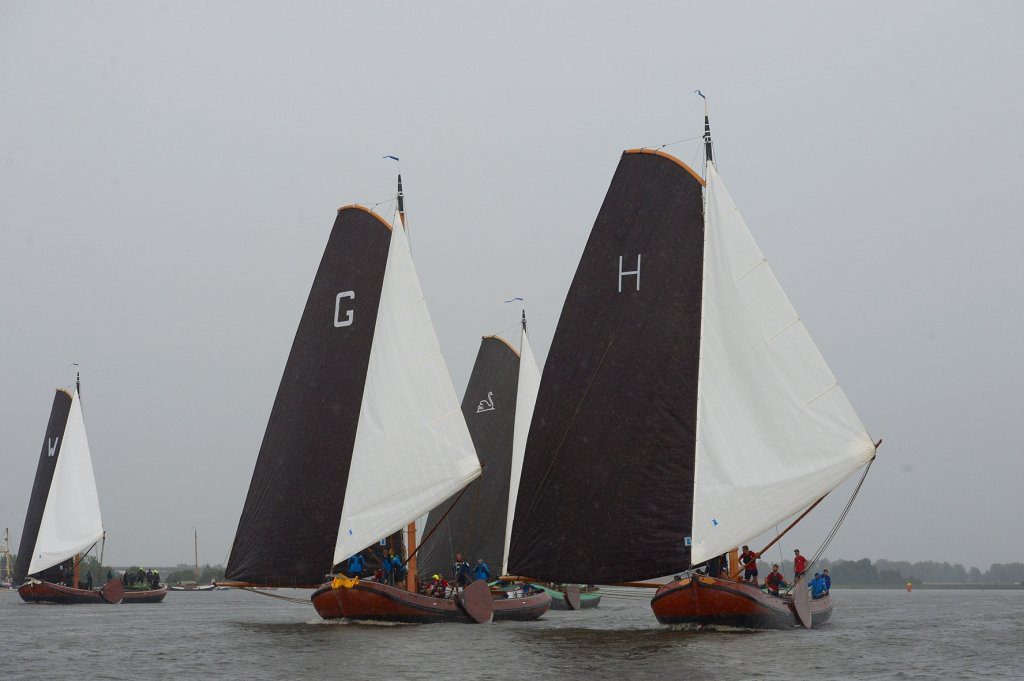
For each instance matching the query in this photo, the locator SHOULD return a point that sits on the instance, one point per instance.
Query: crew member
(799, 564)
(481, 571)
(749, 560)
(775, 581)
(461, 570)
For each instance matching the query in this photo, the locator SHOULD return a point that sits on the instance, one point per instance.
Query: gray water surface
(874, 634)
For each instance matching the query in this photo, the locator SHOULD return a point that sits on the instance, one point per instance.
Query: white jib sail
(71, 521)
(526, 398)
(774, 430)
(412, 448)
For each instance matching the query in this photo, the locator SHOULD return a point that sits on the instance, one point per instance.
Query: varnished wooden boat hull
(147, 596)
(375, 601)
(708, 601)
(46, 592)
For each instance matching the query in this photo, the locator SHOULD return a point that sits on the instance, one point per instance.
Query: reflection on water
(231, 634)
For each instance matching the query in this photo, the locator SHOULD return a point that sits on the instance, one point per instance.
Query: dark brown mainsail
(616, 415)
(41, 486)
(476, 525)
(289, 524)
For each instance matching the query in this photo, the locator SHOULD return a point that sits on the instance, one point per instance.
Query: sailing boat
(364, 437)
(63, 517)
(497, 405)
(6, 564)
(194, 585)
(682, 381)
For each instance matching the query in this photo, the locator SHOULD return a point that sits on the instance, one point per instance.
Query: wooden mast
(195, 548)
(75, 578)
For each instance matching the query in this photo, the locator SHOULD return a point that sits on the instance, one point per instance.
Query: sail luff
(776, 431)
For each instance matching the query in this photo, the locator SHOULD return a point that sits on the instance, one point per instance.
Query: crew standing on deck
(481, 571)
(749, 560)
(799, 564)
(461, 571)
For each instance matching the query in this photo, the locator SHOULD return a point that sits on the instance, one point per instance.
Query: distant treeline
(884, 572)
(187, 573)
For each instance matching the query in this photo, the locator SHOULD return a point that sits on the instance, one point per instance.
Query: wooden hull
(380, 602)
(146, 596)
(704, 600)
(45, 592)
(194, 587)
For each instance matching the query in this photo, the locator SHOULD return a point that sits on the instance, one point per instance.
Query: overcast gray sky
(169, 173)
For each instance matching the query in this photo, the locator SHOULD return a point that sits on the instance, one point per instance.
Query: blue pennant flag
(512, 300)
(393, 158)
(696, 92)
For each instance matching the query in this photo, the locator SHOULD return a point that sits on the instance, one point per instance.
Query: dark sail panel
(41, 487)
(607, 486)
(476, 525)
(289, 524)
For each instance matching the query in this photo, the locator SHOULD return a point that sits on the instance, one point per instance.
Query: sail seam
(783, 330)
(822, 394)
(445, 416)
(764, 261)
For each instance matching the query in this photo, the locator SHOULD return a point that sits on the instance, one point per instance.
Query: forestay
(775, 431)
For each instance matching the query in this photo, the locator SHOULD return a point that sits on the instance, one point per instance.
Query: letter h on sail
(635, 272)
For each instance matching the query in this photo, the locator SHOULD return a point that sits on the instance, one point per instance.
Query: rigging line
(290, 599)
(835, 528)
(434, 529)
(579, 405)
(669, 144)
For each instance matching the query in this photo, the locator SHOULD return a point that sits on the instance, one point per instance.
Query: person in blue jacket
(817, 586)
(481, 571)
(397, 569)
(389, 569)
(827, 579)
(355, 565)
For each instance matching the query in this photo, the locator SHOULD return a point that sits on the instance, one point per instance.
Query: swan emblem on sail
(486, 405)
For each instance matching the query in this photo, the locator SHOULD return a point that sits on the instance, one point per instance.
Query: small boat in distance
(364, 437)
(681, 379)
(63, 519)
(194, 585)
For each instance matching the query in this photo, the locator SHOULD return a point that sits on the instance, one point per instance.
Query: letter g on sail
(347, 321)
(51, 446)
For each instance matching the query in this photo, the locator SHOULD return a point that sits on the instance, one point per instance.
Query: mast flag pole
(708, 156)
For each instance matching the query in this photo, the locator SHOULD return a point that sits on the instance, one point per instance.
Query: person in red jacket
(749, 561)
(799, 564)
(774, 581)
